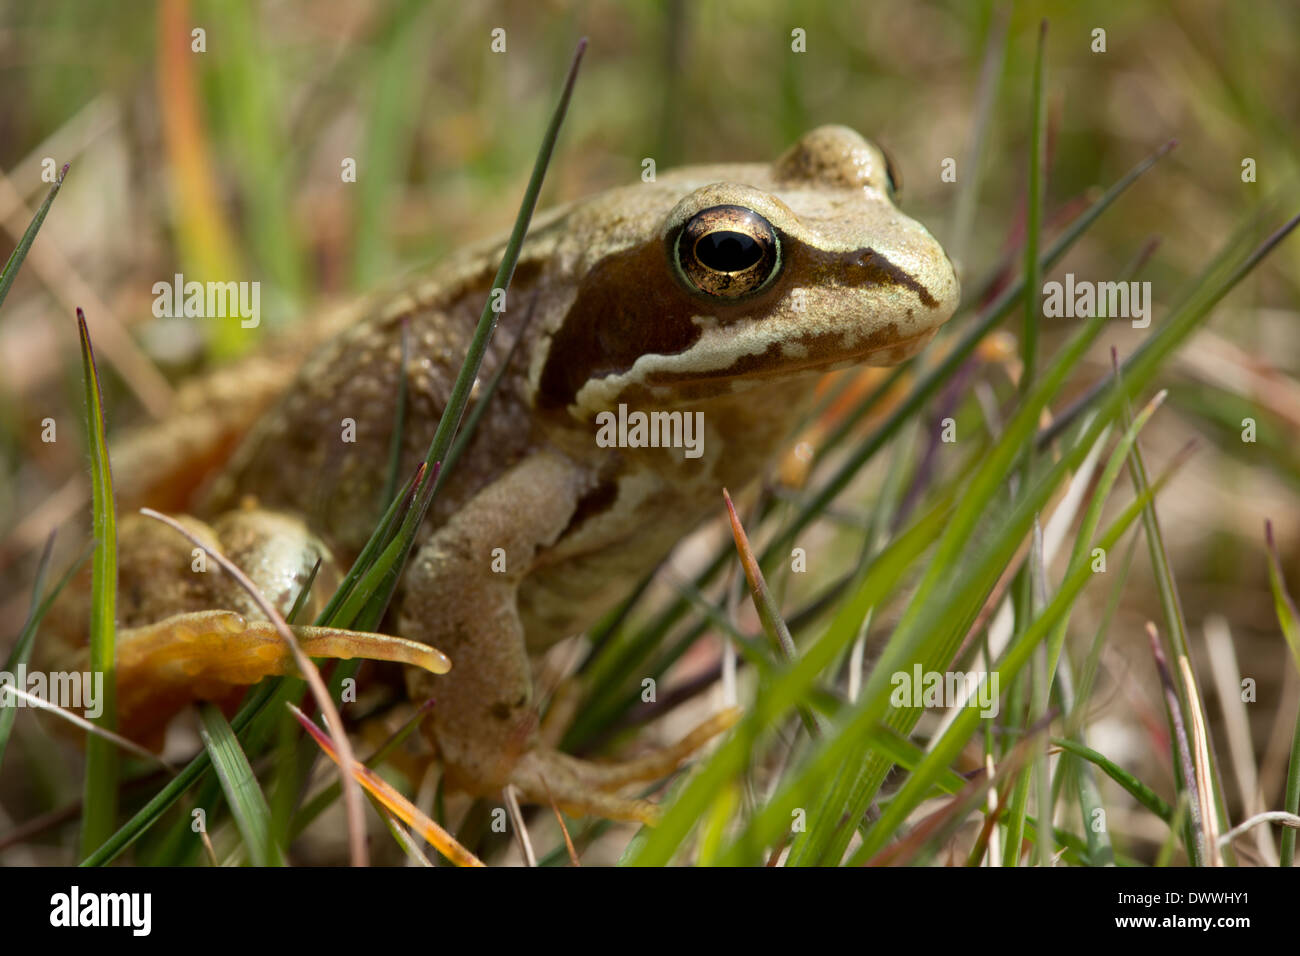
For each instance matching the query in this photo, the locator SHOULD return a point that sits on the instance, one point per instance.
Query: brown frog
(711, 298)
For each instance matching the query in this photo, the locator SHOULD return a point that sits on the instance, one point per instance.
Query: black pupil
(728, 251)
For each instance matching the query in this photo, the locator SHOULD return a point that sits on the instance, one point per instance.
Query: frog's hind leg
(190, 632)
(215, 655)
(582, 786)
(182, 620)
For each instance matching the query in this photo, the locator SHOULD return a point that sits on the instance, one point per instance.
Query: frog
(722, 292)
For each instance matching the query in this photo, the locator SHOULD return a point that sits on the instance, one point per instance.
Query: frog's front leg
(484, 721)
(484, 718)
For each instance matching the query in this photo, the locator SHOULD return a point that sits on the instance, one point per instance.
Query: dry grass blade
(1226, 673)
(1196, 804)
(559, 818)
(521, 828)
(403, 809)
(765, 605)
(33, 701)
(1270, 816)
(1200, 740)
(938, 827)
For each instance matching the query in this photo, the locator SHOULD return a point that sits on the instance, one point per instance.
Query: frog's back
(323, 449)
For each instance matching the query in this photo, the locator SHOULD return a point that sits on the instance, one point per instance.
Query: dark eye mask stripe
(629, 305)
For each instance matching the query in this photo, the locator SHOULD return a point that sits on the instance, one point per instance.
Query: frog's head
(801, 266)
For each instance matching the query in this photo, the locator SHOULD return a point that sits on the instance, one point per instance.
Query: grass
(100, 794)
(1290, 621)
(243, 795)
(939, 552)
(15, 261)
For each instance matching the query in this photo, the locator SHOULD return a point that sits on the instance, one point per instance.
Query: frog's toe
(548, 776)
(582, 787)
(215, 655)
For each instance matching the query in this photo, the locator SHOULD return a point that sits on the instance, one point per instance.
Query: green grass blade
(1289, 618)
(1287, 614)
(153, 811)
(247, 81)
(392, 121)
(1034, 219)
(460, 391)
(1013, 660)
(877, 581)
(1291, 802)
(15, 261)
(968, 190)
(21, 654)
(1139, 790)
(387, 527)
(1196, 839)
(100, 794)
(1027, 605)
(1179, 648)
(243, 796)
(399, 419)
(459, 396)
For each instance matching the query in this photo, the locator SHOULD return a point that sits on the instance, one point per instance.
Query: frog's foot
(212, 655)
(581, 787)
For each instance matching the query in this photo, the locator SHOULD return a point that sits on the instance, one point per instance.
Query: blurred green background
(230, 159)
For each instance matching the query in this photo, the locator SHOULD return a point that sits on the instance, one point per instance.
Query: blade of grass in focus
(243, 795)
(100, 791)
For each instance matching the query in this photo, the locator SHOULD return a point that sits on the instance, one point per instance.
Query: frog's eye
(727, 251)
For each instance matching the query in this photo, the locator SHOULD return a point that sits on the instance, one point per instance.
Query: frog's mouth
(778, 363)
(825, 352)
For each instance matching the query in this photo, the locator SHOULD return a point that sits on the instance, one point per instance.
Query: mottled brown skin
(612, 321)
